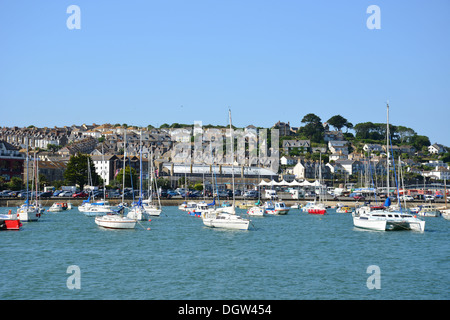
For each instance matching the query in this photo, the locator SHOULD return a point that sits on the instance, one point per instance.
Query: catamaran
(383, 219)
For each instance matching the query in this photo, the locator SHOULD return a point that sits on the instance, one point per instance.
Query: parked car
(221, 194)
(14, 193)
(172, 193)
(65, 194)
(46, 194)
(56, 193)
(251, 194)
(406, 198)
(429, 198)
(359, 197)
(5, 193)
(81, 194)
(23, 194)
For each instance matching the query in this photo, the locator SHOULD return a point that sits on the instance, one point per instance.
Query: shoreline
(11, 202)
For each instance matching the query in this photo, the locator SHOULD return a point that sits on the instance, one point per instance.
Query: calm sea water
(297, 256)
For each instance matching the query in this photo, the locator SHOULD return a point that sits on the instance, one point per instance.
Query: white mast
(387, 148)
(124, 157)
(232, 156)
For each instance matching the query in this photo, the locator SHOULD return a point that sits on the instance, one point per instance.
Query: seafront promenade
(14, 202)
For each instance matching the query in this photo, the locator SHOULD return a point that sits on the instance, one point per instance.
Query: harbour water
(293, 257)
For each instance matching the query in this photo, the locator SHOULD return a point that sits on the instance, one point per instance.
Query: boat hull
(115, 222)
(389, 225)
(317, 211)
(28, 216)
(225, 221)
(446, 214)
(256, 211)
(7, 222)
(152, 211)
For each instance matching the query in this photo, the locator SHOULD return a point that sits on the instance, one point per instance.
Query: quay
(47, 202)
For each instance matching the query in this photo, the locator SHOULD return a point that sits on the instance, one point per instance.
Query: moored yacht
(386, 220)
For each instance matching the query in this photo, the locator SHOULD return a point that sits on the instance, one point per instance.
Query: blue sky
(155, 62)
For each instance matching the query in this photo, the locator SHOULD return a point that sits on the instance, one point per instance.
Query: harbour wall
(47, 202)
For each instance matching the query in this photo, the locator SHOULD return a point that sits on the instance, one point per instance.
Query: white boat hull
(152, 211)
(256, 211)
(225, 221)
(429, 214)
(388, 224)
(137, 213)
(446, 214)
(27, 215)
(115, 222)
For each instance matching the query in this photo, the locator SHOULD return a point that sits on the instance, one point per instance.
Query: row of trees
(313, 130)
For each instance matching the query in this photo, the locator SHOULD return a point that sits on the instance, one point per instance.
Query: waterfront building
(11, 161)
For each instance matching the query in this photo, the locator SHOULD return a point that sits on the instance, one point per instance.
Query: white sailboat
(150, 207)
(445, 212)
(97, 207)
(218, 218)
(385, 219)
(28, 212)
(116, 219)
(137, 210)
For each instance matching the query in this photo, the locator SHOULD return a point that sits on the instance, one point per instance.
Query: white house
(438, 173)
(338, 146)
(436, 149)
(351, 166)
(288, 161)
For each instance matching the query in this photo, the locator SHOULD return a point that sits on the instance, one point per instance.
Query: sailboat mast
(124, 161)
(387, 148)
(27, 171)
(232, 154)
(140, 165)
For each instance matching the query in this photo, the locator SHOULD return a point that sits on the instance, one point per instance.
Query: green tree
(419, 142)
(15, 183)
(313, 128)
(77, 171)
(339, 122)
(163, 183)
(130, 176)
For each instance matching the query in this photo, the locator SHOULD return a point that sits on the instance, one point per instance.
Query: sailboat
(95, 207)
(219, 218)
(318, 207)
(386, 219)
(137, 210)
(445, 212)
(258, 208)
(116, 219)
(28, 212)
(149, 206)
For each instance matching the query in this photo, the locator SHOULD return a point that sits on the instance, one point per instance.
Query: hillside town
(339, 157)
